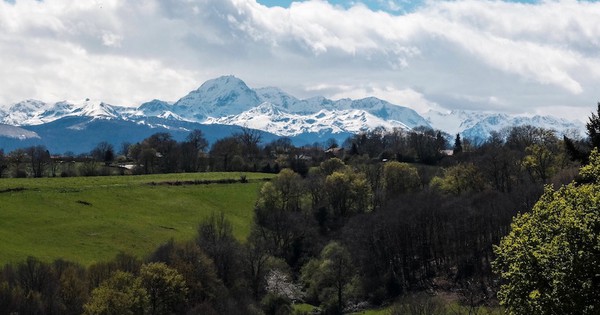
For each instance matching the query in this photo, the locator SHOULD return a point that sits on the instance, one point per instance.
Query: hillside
(88, 219)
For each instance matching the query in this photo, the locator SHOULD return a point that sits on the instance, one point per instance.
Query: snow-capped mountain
(25, 113)
(32, 112)
(153, 108)
(478, 126)
(228, 100)
(219, 97)
(273, 119)
(226, 103)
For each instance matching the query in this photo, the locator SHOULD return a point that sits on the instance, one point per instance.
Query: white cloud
(536, 58)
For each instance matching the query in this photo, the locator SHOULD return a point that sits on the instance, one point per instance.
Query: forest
(397, 219)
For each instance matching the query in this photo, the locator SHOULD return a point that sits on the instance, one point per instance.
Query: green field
(91, 219)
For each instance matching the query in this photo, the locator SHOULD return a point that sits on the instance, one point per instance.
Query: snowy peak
(228, 100)
(33, 112)
(271, 118)
(24, 111)
(478, 126)
(219, 97)
(154, 108)
(94, 109)
(388, 111)
(276, 96)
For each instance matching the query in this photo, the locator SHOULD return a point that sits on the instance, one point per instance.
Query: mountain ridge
(227, 100)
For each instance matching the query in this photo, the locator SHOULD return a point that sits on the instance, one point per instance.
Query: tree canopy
(550, 260)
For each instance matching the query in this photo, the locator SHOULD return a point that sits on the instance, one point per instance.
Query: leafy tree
(281, 224)
(550, 260)
(399, 178)
(459, 179)
(329, 277)
(539, 162)
(167, 291)
(122, 293)
(348, 193)
(332, 165)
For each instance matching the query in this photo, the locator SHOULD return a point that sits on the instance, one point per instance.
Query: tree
(103, 152)
(215, 237)
(348, 193)
(167, 291)
(18, 158)
(3, 162)
(550, 260)
(279, 283)
(192, 151)
(223, 151)
(459, 179)
(332, 165)
(593, 128)
(330, 276)
(249, 140)
(399, 178)
(39, 157)
(122, 293)
(165, 151)
(539, 162)
(280, 222)
(457, 145)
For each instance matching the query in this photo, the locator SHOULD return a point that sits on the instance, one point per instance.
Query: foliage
(348, 193)
(166, 288)
(120, 294)
(329, 277)
(400, 178)
(459, 179)
(550, 260)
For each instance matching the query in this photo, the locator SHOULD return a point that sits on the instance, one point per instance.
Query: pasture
(91, 219)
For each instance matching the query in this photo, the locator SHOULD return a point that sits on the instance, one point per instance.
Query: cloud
(502, 56)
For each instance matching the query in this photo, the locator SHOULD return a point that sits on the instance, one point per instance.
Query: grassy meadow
(91, 219)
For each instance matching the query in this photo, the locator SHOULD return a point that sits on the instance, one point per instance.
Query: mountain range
(221, 106)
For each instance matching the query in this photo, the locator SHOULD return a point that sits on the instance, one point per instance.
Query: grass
(382, 311)
(446, 308)
(91, 219)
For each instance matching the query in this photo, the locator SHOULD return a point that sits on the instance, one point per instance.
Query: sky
(520, 57)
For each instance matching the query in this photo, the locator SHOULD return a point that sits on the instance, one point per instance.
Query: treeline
(242, 151)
